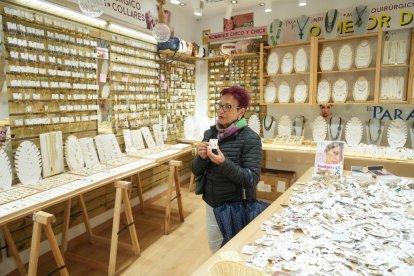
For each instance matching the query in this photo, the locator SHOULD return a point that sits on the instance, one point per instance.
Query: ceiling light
(302, 3)
(234, 1)
(182, 4)
(175, 2)
(261, 4)
(198, 12)
(227, 14)
(93, 8)
(161, 31)
(268, 5)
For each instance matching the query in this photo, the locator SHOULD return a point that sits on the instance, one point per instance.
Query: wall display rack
(361, 69)
(177, 92)
(51, 74)
(243, 70)
(134, 73)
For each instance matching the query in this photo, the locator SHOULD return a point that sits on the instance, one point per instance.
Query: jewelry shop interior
(104, 106)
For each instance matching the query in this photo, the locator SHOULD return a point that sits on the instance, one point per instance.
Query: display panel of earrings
(178, 94)
(396, 47)
(392, 88)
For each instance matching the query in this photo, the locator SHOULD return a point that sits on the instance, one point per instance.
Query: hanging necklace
(339, 128)
(301, 27)
(359, 14)
(412, 128)
(330, 25)
(268, 127)
(302, 128)
(374, 141)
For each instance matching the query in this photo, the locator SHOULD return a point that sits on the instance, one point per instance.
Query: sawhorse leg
(13, 250)
(191, 185)
(44, 219)
(173, 179)
(121, 195)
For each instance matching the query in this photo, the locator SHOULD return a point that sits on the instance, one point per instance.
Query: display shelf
(233, 56)
(300, 72)
(355, 70)
(393, 66)
(171, 55)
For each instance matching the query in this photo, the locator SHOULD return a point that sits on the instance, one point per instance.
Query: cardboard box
(274, 183)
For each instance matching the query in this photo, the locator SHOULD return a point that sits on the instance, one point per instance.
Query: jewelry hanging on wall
(339, 128)
(330, 24)
(267, 126)
(302, 126)
(302, 28)
(360, 13)
(379, 130)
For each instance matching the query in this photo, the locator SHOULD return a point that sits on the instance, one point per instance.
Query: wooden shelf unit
(315, 73)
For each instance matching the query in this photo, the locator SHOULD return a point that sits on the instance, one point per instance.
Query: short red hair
(240, 94)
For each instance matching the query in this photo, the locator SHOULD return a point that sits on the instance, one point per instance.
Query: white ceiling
(214, 7)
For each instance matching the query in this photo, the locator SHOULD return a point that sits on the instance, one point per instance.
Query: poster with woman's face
(238, 21)
(329, 158)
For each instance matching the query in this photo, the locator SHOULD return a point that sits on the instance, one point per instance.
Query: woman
(334, 153)
(234, 165)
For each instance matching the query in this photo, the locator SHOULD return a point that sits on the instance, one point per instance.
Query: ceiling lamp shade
(229, 10)
(92, 8)
(161, 32)
(268, 5)
(302, 3)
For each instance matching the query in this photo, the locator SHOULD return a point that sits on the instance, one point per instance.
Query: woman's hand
(202, 150)
(218, 158)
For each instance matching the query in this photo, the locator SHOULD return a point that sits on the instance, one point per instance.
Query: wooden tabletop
(30, 209)
(231, 251)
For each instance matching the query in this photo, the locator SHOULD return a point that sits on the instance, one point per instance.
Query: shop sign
(141, 13)
(239, 33)
(387, 16)
(379, 112)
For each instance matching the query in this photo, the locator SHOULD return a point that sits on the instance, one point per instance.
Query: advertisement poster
(238, 21)
(143, 14)
(329, 158)
(356, 20)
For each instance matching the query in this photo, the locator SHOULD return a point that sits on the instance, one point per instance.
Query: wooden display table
(250, 233)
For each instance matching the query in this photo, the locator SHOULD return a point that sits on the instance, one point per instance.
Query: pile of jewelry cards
(121, 161)
(87, 171)
(16, 193)
(288, 140)
(339, 226)
(55, 181)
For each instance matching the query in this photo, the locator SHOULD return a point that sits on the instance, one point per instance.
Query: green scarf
(235, 127)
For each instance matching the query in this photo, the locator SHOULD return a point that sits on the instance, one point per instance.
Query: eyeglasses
(226, 107)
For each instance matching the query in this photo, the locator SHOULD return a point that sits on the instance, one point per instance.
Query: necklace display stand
(354, 131)
(89, 151)
(28, 163)
(375, 131)
(51, 147)
(254, 123)
(285, 126)
(137, 140)
(6, 176)
(146, 133)
(397, 133)
(269, 127)
(412, 135)
(319, 129)
(156, 128)
(360, 16)
(299, 129)
(73, 153)
(335, 128)
(302, 30)
(331, 20)
(129, 146)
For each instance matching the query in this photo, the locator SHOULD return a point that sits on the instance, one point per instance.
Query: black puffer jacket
(243, 156)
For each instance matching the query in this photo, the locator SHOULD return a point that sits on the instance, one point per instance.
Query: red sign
(240, 33)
